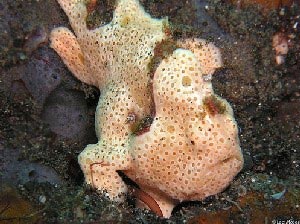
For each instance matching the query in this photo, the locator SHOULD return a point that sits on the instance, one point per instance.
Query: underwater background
(47, 116)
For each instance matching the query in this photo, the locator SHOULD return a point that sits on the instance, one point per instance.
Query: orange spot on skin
(213, 106)
(81, 58)
(168, 31)
(91, 6)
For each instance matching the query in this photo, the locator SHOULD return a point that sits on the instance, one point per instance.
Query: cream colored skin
(188, 153)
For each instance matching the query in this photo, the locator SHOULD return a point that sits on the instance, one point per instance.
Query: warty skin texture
(188, 153)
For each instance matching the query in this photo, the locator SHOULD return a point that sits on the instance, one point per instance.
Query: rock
(42, 74)
(16, 171)
(66, 113)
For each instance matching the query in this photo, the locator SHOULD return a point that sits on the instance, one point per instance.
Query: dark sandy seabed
(47, 116)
